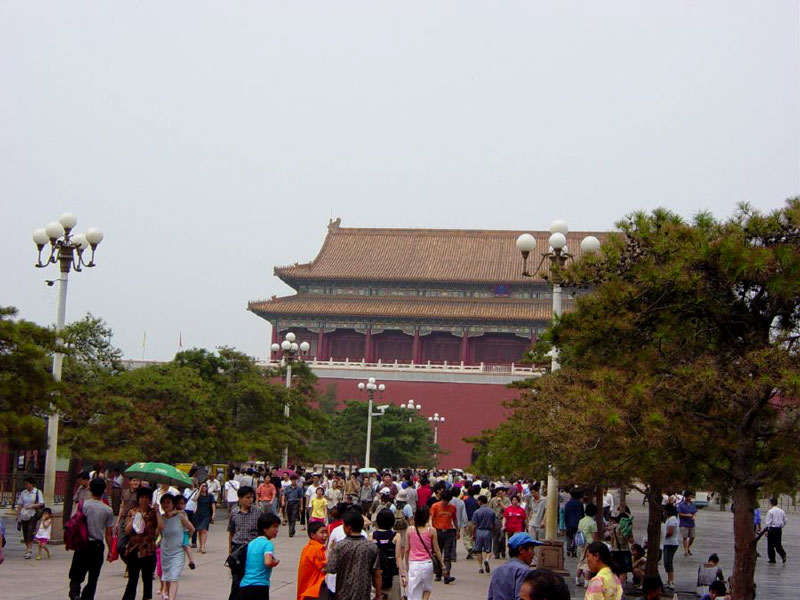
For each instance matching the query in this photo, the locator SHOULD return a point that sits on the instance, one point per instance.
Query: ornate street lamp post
(370, 386)
(412, 407)
(436, 419)
(291, 352)
(67, 249)
(558, 256)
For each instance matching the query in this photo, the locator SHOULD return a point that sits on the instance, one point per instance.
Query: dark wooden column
(465, 347)
(274, 355)
(368, 345)
(416, 349)
(321, 344)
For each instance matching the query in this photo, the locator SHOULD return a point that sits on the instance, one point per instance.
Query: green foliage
(254, 399)
(90, 357)
(680, 365)
(328, 401)
(398, 440)
(26, 383)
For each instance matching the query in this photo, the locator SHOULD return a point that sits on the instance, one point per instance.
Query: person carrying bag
(422, 557)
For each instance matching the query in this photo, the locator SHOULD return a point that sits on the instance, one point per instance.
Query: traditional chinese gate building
(424, 306)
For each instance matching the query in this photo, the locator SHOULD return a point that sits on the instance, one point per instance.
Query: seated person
(708, 573)
(639, 561)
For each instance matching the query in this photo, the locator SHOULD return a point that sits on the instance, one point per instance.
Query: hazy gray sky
(213, 140)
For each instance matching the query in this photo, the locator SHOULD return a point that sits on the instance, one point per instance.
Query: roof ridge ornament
(333, 224)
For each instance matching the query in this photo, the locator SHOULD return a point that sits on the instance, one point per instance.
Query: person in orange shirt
(310, 575)
(445, 520)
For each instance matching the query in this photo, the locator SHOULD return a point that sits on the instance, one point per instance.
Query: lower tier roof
(506, 310)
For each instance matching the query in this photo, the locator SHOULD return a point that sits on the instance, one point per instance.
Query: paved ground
(28, 579)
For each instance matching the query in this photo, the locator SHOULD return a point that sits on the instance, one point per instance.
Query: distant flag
(180, 340)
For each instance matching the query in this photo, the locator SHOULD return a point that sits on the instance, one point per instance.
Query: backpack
(400, 521)
(386, 556)
(626, 526)
(76, 532)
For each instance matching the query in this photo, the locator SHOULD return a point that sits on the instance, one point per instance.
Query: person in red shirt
(424, 492)
(444, 518)
(514, 518)
(335, 515)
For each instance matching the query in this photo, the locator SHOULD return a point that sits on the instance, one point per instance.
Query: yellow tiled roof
(425, 255)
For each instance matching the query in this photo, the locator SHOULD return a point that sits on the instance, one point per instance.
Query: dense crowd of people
(382, 536)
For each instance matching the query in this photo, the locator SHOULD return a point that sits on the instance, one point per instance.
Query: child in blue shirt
(260, 560)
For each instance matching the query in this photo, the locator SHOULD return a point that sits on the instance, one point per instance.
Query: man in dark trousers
(242, 528)
(355, 561)
(573, 513)
(291, 499)
(444, 518)
(775, 522)
(89, 560)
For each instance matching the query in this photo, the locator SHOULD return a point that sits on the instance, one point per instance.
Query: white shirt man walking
(775, 522)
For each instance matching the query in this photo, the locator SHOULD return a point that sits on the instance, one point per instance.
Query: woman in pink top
(416, 564)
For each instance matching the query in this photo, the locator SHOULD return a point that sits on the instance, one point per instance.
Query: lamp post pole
(66, 249)
(370, 386)
(412, 407)
(291, 351)
(558, 257)
(436, 419)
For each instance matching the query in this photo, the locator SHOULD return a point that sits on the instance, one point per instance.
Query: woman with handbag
(422, 557)
(620, 549)
(29, 511)
(139, 553)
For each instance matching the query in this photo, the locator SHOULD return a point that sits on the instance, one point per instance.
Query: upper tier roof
(424, 255)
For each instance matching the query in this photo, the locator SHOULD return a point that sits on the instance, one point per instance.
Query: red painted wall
(468, 409)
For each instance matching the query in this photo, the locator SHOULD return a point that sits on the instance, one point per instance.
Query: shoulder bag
(623, 558)
(437, 564)
(237, 560)
(39, 511)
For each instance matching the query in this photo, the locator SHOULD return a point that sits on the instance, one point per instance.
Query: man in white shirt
(608, 504)
(775, 522)
(231, 489)
(214, 487)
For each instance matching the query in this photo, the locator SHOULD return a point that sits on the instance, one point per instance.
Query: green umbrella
(367, 470)
(155, 472)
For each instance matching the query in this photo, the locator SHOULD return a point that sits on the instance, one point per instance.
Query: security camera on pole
(291, 352)
(370, 386)
(67, 249)
(558, 256)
